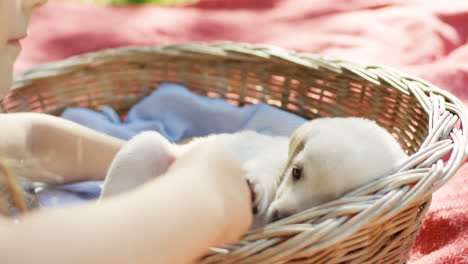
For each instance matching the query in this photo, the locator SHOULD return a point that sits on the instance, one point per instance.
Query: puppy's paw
(144, 157)
(253, 197)
(260, 204)
(259, 200)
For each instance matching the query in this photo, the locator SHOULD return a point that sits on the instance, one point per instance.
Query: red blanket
(427, 38)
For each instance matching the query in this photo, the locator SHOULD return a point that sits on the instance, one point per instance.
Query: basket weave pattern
(377, 223)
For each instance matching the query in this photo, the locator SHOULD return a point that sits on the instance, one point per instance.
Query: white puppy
(148, 155)
(327, 158)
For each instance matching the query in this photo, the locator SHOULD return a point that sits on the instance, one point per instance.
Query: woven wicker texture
(374, 224)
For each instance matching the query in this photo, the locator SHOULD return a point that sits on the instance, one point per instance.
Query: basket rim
(240, 51)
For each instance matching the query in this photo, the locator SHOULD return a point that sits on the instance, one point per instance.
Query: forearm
(66, 150)
(72, 150)
(165, 221)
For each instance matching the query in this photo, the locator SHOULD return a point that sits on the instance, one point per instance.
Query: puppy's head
(331, 156)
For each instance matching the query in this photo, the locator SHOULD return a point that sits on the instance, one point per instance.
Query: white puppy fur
(332, 155)
(144, 157)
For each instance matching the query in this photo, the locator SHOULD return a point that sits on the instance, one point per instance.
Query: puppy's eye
(296, 173)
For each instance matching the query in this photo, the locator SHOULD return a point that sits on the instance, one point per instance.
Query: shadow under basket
(376, 223)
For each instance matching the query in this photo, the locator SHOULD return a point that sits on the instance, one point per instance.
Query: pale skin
(173, 219)
(147, 225)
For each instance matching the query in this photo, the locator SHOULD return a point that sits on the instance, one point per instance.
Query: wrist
(220, 180)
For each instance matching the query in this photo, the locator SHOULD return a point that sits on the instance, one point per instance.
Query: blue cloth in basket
(176, 113)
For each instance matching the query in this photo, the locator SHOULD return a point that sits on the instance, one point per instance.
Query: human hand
(224, 185)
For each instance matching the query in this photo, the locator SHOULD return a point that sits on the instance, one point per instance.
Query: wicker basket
(377, 223)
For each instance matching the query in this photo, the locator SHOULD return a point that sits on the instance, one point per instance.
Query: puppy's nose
(278, 215)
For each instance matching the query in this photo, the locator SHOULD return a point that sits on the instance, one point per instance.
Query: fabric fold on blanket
(176, 113)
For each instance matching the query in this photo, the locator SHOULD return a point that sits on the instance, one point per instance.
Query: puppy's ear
(301, 135)
(297, 142)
